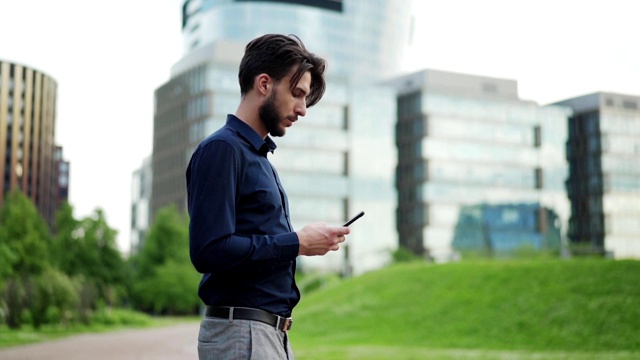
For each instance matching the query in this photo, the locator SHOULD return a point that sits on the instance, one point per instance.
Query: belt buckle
(287, 324)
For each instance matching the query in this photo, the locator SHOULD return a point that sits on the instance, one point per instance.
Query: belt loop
(231, 314)
(278, 322)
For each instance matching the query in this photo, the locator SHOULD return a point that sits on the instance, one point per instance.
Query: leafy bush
(14, 297)
(402, 254)
(39, 299)
(164, 280)
(117, 316)
(173, 289)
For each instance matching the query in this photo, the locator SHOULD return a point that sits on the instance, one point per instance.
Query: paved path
(177, 342)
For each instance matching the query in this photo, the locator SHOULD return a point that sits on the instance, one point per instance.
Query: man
(241, 237)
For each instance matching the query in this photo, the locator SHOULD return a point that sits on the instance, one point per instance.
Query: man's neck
(248, 112)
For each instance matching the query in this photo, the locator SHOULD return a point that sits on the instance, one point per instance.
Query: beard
(270, 116)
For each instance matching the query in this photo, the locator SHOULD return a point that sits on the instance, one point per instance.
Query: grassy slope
(585, 305)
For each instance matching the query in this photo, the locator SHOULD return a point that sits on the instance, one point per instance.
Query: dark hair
(275, 55)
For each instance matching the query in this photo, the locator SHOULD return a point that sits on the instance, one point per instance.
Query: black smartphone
(354, 218)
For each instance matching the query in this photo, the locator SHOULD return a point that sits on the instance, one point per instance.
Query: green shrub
(172, 290)
(14, 297)
(115, 316)
(402, 254)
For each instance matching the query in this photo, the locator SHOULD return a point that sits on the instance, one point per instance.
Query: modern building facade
(603, 150)
(362, 40)
(478, 168)
(63, 169)
(29, 159)
(338, 159)
(140, 197)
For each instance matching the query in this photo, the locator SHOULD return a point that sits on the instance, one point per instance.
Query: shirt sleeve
(212, 180)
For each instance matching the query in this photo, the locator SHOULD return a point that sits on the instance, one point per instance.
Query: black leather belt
(241, 313)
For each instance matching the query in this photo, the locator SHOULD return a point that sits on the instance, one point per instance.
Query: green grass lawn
(578, 309)
(517, 309)
(373, 352)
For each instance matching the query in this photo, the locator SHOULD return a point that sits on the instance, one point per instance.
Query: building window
(537, 136)
(345, 117)
(346, 164)
(628, 104)
(604, 143)
(333, 5)
(346, 208)
(596, 224)
(541, 220)
(425, 215)
(538, 178)
(409, 105)
(606, 183)
(421, 171)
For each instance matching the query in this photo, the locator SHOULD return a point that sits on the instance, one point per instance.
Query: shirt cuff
(289, 246)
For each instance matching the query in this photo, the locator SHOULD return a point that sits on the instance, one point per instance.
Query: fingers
(340, 239)
(343, 230)
(318, 239)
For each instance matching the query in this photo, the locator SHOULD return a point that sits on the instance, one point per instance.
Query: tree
(7, 259)
(167, 239)
(51, 297)
(87, 250)
(67, 246)
(24, 239)
(24, 236)
(48, 279)
(165, 281)
(101, 260)
(171, 290)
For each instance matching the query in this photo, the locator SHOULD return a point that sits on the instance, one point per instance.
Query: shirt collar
(245, 131)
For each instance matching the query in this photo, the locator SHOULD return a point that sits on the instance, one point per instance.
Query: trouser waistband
(242, 313)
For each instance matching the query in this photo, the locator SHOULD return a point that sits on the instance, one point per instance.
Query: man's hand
(319, 239)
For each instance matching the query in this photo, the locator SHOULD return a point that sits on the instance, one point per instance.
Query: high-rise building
(603, 150)
(338, 159)
(140, 197)
(29, 159)
(361, 40)
(62, 171)
(478, 168)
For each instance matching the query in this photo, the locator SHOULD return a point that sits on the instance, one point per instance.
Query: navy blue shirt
(240, 234)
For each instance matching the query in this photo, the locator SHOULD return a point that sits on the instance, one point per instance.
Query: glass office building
(603, 150)
(478, 168)
(140, 197)
(362, 40)
(339, 158)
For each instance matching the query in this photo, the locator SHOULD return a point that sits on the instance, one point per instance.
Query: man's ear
(263, 84)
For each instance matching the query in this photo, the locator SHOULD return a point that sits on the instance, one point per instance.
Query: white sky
(108, 57)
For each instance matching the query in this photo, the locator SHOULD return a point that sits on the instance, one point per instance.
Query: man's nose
(301, 108)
